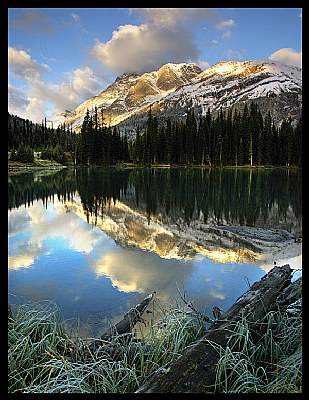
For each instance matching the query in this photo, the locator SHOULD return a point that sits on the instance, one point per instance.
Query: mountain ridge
(175, 88)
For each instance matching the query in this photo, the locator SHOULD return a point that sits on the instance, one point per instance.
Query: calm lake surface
(97, 241)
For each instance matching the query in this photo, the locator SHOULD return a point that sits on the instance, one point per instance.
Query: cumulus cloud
(203, 64)
(17, 99)
(287, 56)
(25, 105)
(23, 67)
(79, 85)
(34, 99)
(84, 82)
(35, 110)
(164, 36)
(144, 48)
(60, 95)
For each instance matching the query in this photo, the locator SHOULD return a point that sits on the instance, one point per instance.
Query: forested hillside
(25, 137)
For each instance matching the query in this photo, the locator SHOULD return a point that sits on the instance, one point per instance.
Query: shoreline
(40, 163)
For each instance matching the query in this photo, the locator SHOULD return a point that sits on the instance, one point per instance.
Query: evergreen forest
(229, 138)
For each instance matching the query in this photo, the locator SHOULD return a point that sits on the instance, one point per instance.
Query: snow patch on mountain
(227, 83)
(183, 85)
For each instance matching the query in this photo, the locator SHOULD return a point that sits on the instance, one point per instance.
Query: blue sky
(59, 57)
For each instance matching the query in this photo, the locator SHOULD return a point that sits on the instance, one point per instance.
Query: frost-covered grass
(44, 358)
(264, 358)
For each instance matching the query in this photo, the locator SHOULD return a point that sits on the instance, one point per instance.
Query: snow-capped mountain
(175, 88)
(229, 83)
(170, 239)
(131, 92)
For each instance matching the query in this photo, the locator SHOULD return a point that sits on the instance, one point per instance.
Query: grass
(44, 358)
(261, 357)
(15, 165)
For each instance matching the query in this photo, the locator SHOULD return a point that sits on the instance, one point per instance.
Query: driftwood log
(110, 343)
(194, 371)
(124, 327)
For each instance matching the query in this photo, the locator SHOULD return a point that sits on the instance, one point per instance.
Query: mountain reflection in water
(96, 240)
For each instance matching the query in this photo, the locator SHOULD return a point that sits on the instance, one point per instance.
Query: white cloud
(61, 95)
(24, 105)
(38, 96)
(84, 82)
(213, 42)
(23, 67)
(203, 64)
(162, 17)
(287, 56)
(226, 24)
(35, 110)
(144, 48)
(165, 35)
(17, 99)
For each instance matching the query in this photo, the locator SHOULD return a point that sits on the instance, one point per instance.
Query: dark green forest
(227, 139)
(231, 138)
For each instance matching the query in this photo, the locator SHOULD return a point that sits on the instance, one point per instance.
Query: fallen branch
(110, 342)
(125, 326)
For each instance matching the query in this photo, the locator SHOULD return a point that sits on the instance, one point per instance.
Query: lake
(96, 241)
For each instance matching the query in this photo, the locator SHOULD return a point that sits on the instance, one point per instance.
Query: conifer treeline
(23, 132)
(99, 144)
(229, 138)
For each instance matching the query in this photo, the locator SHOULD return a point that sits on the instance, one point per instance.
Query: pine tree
(297, 143)
(200, 143)
(267, 141)
(168, 136)
(286, 138)
(85, 150)
(191, 133)
(138, 147)
(219, 127)
(237, 140)
(208, 138)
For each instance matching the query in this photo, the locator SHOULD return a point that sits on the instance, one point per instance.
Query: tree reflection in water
(252, 197)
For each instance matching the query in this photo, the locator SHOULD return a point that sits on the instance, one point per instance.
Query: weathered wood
(134, 315)
(194, 370)
(111, 341)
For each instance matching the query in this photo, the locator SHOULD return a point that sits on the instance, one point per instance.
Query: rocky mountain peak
(131, 92)
(175, 87)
